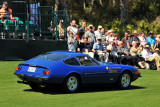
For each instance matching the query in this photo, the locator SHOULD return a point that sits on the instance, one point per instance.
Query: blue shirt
(151, 41)
(98, 47)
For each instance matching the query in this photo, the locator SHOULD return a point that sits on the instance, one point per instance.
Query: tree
(123, 11)
(56, 5)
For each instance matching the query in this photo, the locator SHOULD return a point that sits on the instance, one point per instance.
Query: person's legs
(106, 56)
(91, 54)
(101, 56)
(156, 59)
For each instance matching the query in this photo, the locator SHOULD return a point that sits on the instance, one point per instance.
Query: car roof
(71, 54)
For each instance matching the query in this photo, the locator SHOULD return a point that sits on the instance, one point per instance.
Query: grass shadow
(83, 89)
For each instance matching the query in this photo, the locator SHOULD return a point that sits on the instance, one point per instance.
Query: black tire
(71, 83)
(124, 80)
(34, 86)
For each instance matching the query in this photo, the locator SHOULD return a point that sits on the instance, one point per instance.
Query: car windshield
(52, 56)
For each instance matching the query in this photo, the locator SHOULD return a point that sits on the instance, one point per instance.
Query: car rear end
(33, 73)
(41, 69)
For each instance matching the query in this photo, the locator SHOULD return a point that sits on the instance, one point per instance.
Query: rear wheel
(71, 83)
(124, 80)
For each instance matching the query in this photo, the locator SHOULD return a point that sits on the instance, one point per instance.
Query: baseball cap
(151, 32)
(146, 46)
(109, 31)
(61, 21)
(99, 26)
(90, 26)
(99, 38)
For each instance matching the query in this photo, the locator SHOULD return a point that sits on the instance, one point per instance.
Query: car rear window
(52, 56)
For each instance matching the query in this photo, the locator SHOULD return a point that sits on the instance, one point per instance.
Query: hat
(135, 32)
(61, 21)
(5, 3)
(99, 38)
(109, 31)
(151, 32)
(146, 46)
(90, 26)
(99, 27)
(157, 49)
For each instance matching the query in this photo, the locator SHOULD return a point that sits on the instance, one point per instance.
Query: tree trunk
(56, 5)
(123, 11)
(91, 7)
(84, 4)
(100, 2)
(114, 2)
(65, 7)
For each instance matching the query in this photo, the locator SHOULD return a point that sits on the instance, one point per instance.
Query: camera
(91, 27)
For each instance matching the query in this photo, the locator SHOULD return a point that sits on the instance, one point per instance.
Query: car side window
(72, 61)
(86, 61)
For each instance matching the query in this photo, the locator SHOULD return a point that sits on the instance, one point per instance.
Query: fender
(126, 69)
(73, 72)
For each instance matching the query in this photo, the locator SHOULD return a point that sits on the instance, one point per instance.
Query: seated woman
(135, 52)
(157, 45)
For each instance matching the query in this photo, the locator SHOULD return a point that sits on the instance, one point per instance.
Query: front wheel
(124, 80)
(71, 84)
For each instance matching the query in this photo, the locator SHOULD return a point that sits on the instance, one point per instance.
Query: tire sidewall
(120, 79)
(65, 87)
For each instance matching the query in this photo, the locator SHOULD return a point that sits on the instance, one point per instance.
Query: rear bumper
(31, 78)
(40, 79)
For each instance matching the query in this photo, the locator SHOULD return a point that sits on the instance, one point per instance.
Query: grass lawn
(144, 92)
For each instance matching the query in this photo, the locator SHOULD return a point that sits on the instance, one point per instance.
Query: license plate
(31, 69)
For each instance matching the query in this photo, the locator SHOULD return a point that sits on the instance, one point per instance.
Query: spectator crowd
(137, 49)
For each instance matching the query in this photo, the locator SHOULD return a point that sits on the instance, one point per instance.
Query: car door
(93, 72)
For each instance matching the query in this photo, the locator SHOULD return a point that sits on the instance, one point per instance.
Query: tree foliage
(137, 14)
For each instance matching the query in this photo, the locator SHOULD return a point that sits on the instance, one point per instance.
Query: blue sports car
(71, 70)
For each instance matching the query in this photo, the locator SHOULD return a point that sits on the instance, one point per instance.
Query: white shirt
(74, 30)
(109, 38)
(143, 41)
(146, 54)
(98, 34)
(113, 52)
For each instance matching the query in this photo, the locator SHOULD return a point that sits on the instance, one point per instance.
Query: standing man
(82, 30)
(90, 35)
(5, 12)
(61, 30)
(151, 40)
(98, 33)
(72, 28)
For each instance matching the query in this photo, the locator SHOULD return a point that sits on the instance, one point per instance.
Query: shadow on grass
(84, 89)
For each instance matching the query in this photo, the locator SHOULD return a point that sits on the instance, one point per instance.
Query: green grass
(145, 92)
